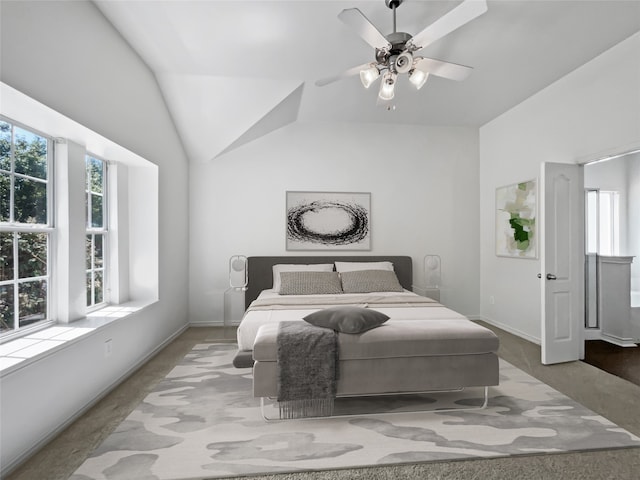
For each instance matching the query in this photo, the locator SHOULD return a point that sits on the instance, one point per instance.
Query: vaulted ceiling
(232, 71)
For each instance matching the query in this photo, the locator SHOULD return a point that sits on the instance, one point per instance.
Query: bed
(423, 346)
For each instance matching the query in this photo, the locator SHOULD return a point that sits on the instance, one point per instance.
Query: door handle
(550, 276)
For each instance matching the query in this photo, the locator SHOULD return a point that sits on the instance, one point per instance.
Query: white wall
(67, 56)
(424, 190)
(594, 109)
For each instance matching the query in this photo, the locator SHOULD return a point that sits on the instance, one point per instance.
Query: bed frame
(261, 273)
(468, 360)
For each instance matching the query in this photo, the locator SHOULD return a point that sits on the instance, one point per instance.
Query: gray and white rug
(202, 421)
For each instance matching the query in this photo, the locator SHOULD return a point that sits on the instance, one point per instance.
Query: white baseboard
(592, 334)
(620, 341)
(6, 469)
(510, 329)
(215, 323)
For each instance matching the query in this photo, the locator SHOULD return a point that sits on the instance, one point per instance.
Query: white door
(562, 262)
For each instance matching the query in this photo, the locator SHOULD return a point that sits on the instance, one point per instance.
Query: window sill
(21, 352)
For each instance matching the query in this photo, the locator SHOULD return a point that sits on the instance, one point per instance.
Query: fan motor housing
(398, 41)
(393, 3)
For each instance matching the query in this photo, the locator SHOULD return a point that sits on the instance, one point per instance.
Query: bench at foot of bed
(403, 356)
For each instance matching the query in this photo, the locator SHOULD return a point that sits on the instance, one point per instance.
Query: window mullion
(16, 278)
(12, 167)
(93, 268)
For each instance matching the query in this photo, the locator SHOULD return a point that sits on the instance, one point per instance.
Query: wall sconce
(238, 272)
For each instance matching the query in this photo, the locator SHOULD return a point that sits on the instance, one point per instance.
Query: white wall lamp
(432, 278)
(238, 272)
(234, 296)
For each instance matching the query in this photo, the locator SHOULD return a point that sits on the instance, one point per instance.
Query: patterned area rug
(202, 421)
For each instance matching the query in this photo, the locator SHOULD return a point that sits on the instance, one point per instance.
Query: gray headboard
(261, 273)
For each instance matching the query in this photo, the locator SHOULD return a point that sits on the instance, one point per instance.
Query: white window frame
(20, 228)
(104, 231)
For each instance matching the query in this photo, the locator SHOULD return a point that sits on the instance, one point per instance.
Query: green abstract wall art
(516, 229)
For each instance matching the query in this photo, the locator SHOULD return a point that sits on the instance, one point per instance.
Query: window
(609, 223)
(25, 227)
(96, 238)
(603, 222)
(70, 222)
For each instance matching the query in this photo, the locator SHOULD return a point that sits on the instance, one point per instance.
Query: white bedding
(254, 319)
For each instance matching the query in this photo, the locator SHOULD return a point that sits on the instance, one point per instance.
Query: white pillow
(317, 267)
(357, 266)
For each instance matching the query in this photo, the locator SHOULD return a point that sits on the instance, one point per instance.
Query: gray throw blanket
(307, 370)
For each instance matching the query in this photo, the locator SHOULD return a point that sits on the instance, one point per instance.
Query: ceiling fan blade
(355, 19)
(347, 73)
(452, 71)
(463, 13)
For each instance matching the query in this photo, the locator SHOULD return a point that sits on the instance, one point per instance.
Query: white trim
(620, 341)
(609, 154)
(510, 329)
(592, 334)
(62, 426)
(215, 323)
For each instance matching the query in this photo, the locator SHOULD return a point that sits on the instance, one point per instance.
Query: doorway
(612, 249)
(612, 265)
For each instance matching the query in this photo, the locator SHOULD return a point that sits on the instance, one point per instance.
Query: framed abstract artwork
(328, 221)
(516, 228)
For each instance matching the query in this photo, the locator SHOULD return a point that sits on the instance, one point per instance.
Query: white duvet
(254, 319)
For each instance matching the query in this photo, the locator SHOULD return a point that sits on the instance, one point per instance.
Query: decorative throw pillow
(353, 266)
(366, 281)
(347, 319)
(309, 283)
(282, 267)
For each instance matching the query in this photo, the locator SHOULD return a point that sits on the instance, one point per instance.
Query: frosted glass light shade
(418, 78)
(238, 273)
(387, 86)
(368, 76)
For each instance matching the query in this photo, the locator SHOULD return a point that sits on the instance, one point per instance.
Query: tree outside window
(24, 227)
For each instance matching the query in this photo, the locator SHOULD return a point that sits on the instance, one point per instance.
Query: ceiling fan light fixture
(387, 86)
(418, 78)
(395, 52)
(369, 75)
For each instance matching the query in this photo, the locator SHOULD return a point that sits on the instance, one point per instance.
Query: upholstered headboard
(261, 272)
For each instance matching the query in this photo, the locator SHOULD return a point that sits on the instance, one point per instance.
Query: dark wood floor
(623, 362)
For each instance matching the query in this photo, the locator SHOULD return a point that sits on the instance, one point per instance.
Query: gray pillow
(366, 281)
(347, 319)
(309, 283)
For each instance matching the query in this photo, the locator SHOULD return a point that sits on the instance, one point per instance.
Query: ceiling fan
(395, 53)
